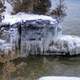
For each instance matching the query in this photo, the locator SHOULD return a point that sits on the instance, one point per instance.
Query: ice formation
(32, 26)
(12, 19)
(66, 45)
(59, 78)
(36, 34)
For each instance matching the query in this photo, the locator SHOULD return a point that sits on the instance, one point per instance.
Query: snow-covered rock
(39, 34)
(65, 44)
(12, 19)
(33, 29)
(59, 78)
(5, 47)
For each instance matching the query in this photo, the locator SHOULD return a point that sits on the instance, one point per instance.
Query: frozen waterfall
(36, 34)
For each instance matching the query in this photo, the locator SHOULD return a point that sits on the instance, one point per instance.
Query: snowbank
(59, 78)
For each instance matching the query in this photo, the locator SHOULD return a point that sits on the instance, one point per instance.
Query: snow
(12, 19)
(70, 38)
(73, 41)
(8, 9)
(66, 44)
(2, 41)
(59, 78)
(62, 43)
(5, 47)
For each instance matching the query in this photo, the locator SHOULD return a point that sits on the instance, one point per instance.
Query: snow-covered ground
(59, 78)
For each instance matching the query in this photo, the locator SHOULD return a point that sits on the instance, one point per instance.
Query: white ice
(12, 19)
(73, 43)
(71, 39)
(59, 78)
(65, 43)
(8, 9)
(5, 47)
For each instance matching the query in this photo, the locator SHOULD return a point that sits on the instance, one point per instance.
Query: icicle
(38, 33)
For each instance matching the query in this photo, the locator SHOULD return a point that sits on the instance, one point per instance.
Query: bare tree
(59, 12)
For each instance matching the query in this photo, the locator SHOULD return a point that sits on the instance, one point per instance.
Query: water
(35, 67)
(72, 21)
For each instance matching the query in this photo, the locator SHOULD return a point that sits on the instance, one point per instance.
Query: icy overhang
(22, 17)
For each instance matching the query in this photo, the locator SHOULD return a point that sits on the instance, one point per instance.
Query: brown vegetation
(8, 65)
(1, 7)
(32, 6)
(59, 11)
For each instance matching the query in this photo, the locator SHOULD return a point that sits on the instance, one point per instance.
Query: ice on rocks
(12, 19)
(39, 35)
(65, 44)
(5, 47)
